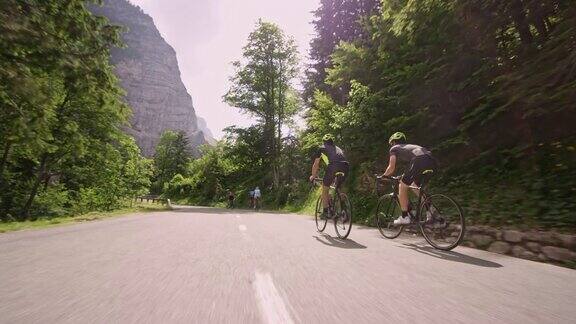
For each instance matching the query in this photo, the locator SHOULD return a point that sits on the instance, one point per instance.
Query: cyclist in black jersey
(421, 163)
(335, 161)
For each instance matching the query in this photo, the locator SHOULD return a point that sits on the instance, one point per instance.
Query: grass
(93, 216)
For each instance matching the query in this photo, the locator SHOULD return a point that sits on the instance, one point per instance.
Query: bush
(54, 201)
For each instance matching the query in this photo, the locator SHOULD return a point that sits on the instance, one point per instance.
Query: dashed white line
(270, 302)
(242, 228)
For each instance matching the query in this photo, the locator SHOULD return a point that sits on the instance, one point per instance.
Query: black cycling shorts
(331, 171)
(416, 172)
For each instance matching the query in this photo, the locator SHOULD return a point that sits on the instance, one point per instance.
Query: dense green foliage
(62, 148)
(489, 86)
(335, 21)
(171, 158)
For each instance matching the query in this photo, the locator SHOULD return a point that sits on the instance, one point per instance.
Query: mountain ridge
(149, 73)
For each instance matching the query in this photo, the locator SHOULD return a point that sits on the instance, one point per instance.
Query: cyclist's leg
(424, 168)
(403, 196)
(407, 180)
(326, 183)
(325, 196)
(342, 168)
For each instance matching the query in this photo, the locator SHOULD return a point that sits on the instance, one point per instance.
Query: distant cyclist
(335, 161)
(420, 161)
(257, 197)
(251, 198)
(231, 197)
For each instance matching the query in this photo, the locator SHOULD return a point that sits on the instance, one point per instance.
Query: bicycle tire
(447, 227)
(388, 207)
(343, 216)
(320, 223)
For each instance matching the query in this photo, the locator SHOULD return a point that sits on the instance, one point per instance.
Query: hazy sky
(209, 34)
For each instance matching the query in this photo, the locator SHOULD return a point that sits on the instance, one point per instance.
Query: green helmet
(328, 137)
(396, 136)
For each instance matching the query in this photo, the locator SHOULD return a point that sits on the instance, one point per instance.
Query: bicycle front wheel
(442, 222)
(342, 216)
(320, 223)
(387, 211)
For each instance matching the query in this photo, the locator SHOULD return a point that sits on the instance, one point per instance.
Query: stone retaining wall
(550, 247)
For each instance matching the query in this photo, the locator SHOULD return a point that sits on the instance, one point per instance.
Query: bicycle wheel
(387, 211)
(444, 224)
(342, 216)
(320, 223)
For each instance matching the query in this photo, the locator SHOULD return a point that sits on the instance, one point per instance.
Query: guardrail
(152, 198)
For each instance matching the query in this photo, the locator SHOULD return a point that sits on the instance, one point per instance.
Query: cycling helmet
(397, 136)
(328, 137)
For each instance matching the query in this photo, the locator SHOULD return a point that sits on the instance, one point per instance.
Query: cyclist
(251, 198)
(230, 198)
(257, 196)
(335, 161)
(420, 162)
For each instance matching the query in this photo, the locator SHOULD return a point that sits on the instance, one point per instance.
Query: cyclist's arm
(315, 168)
(391, 166)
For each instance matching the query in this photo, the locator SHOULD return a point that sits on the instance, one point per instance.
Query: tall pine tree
(335, 21)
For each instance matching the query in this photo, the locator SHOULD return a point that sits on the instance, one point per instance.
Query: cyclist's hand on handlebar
(385, 177)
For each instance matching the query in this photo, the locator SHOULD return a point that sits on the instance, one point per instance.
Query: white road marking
(237, 216)
(270, 302)
(242, 228)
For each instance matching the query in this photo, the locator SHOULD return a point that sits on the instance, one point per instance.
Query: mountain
(207, 133)
(148, 71)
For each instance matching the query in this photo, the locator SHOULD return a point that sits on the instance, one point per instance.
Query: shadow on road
(216, 210)
(209, 210)
(339, 243)
(451, 256)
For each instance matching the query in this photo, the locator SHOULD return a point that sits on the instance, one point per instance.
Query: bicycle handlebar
(383, 177)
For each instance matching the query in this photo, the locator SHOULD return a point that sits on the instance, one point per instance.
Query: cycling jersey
(420, 159)
(330, 154)
(336, 162)
(407, 152)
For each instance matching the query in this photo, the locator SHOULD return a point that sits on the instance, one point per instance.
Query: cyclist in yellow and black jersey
(335, 161)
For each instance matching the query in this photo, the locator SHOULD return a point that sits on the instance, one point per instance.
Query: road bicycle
(439, 218)
(257, 204)
(230, 204)
(339, 210)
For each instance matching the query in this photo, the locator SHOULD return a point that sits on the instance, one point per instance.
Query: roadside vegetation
(63, 150)
(45, 222)
(489, 86)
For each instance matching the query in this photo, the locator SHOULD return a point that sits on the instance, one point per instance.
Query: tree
(335, 21)
(261, 86)
(171, 158)
(60, 103)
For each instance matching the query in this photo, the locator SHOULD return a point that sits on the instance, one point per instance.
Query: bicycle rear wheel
(320, 223)
(342, 216)
(444, 224)
(387, 211)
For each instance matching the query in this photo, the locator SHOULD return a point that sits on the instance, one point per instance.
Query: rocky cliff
(148, 71)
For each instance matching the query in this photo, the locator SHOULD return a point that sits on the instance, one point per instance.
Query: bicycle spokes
(387, 211)
(446, 227)
(342, 216)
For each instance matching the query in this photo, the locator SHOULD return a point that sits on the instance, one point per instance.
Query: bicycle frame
(335, 191)
(395, 194)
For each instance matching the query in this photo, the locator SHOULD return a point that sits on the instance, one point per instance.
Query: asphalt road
(200, 265)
